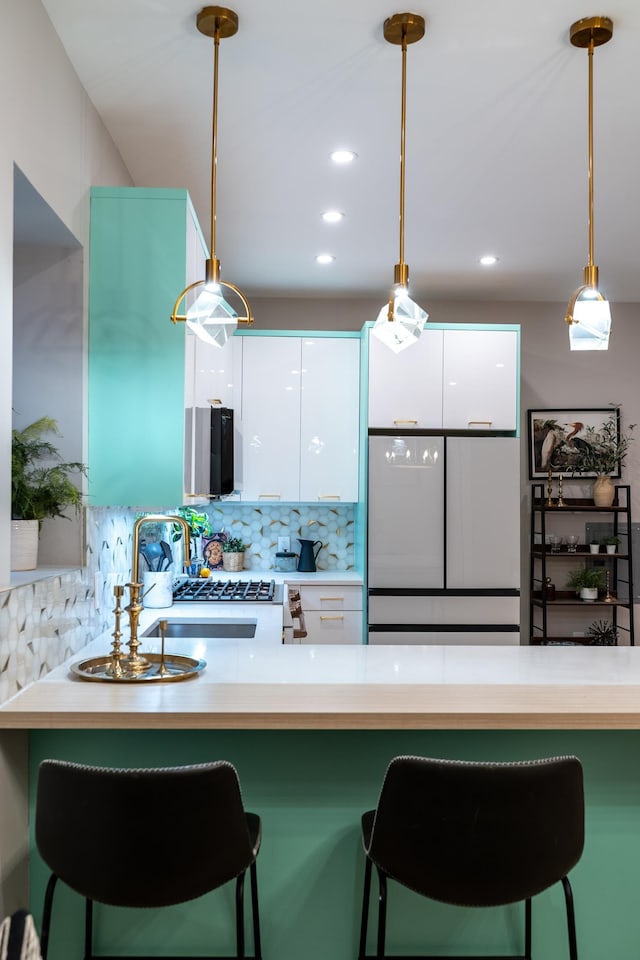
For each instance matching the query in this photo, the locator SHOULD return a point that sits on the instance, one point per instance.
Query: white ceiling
(496, 139)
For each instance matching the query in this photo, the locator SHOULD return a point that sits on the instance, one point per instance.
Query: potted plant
(610, 543)
(594, 547)
(587, 581)
(233, 551)
(604, 454)
(40, 487)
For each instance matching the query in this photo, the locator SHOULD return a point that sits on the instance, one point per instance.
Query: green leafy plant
(199, 523)
(586, 577)
(603, 450)
(602, 633)
(610, 541)
(234, 545)
(40, 479)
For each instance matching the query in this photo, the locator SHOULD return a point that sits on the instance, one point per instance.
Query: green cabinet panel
(141, 246)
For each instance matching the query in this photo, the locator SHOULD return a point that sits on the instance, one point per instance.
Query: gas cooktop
(207, 590)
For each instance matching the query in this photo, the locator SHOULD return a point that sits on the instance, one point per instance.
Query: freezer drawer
(444, 610)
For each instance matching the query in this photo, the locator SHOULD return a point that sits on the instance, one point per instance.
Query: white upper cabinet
(449, 379)
(300, 418)
(480, 380)
(329, 420)
(405, 389)
(271, 373)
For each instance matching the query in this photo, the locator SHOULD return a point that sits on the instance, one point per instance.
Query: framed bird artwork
(560, 439)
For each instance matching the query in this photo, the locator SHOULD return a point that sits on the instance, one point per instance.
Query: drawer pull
(330, 618)
(328, 496)
(398, 422)
(478, 423)
(268, 496)
(215, 402)
(332, 599)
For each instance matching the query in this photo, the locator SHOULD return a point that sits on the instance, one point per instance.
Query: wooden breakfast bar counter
(310, 731)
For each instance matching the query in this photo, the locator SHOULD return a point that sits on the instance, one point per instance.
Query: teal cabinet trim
(136, 356)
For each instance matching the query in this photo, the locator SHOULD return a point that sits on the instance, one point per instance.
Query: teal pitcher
(308, 556)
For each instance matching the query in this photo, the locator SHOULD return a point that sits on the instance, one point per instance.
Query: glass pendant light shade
(211, 318)
(591, 324)
(400, 322)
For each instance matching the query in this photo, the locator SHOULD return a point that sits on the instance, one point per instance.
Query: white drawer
(450, 610)
(329, 597)
(333, 626)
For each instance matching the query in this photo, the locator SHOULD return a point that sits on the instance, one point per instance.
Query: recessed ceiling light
(489, 260)
(325, 258)
(343, 156)
(332, 216)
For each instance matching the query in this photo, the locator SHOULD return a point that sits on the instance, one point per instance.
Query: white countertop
(260, 684)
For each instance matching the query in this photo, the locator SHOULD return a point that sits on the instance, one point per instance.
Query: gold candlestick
(114, 668)
(560, 500)
(134, 663)
(608, 597)
(549, 502)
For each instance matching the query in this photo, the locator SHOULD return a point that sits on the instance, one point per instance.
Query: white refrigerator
(443, 539)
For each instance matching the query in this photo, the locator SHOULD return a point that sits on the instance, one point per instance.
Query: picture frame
(212, 550)
(555, 434)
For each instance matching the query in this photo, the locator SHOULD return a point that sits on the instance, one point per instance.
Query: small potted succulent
(587, 581)
(233, 551)
(610, 543)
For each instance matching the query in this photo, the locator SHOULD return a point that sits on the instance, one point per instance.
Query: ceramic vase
(603, 491)
(589, 593)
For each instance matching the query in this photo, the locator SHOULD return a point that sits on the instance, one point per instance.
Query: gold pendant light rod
(403, 29)
(588, 33)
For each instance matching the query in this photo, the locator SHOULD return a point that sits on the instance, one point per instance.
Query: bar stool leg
(46, 916)
(382, 913)
(88, 929)
(364, 922)
(257, 946)
(240, 915)
(571, 920)
(527, 929)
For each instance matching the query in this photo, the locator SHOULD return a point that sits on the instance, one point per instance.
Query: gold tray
(177, 667)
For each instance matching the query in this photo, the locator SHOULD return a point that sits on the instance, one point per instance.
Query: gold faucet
(155, 518)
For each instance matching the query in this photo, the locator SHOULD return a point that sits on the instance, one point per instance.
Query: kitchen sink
(203, 629)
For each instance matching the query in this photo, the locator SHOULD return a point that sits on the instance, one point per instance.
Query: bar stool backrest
(479, 834)
(142, 837)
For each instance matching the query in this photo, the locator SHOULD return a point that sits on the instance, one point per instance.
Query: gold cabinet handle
(215, 402)
(333, 599)
(477, 423)
(322, 617)
(328, 496)
(268, 496)
(398, 422)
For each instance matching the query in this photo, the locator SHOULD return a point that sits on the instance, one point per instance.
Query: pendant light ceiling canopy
(588, 314)
(211, 317)
(400, 322)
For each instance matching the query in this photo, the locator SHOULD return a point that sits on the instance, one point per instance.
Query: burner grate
(204, 589)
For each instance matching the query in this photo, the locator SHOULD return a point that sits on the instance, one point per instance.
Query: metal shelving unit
(543, 561)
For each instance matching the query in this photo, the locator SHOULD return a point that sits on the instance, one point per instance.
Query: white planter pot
(594, 547)
(24, 544)
(589, 593)
(611, 548)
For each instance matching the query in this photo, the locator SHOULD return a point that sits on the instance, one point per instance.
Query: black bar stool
(475, 835)
(106, 833)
